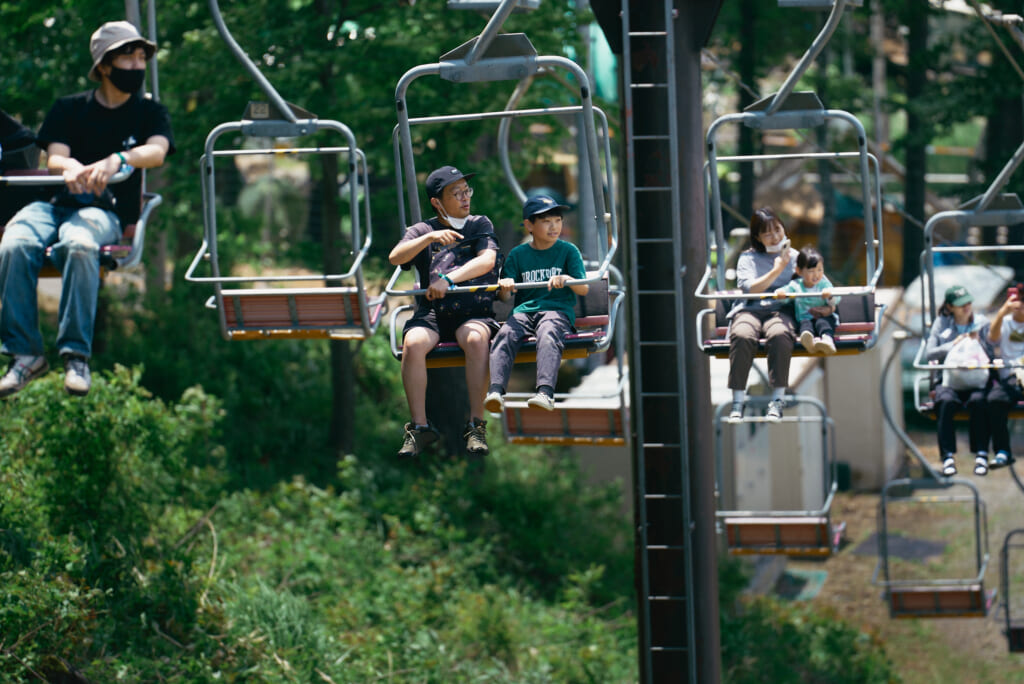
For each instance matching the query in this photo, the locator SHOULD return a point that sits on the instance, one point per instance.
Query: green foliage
(767, 640)
(96, 491)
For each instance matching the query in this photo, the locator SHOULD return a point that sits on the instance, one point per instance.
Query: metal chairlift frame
(333, 312)
(492, 56)
(578, 419)
(962, 597)
(1014, 623)
(934, 598)
(789, 532)
(788, 110)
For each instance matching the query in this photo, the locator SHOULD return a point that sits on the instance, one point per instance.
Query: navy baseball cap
(441, 178)
(540, 204)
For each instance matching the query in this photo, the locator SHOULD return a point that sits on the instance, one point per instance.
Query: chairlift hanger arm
(247, 64)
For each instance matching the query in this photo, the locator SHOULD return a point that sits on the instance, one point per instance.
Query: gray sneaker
(23, 370)
(77, 378)
(541, 401)
(417, 439)
(475, 435)
(775, 407)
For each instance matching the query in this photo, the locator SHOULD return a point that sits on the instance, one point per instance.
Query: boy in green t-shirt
(548, 313)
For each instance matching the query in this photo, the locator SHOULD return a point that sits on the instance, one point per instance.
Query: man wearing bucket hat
(88, 137)
(468, 320)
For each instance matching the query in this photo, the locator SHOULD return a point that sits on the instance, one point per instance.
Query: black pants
(1001, 397)
(947, 403)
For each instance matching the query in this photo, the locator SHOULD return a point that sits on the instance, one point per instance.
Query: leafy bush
(96, 493)
(768, 640)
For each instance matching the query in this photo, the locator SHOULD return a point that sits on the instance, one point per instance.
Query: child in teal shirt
(816, 316)
(548, 313)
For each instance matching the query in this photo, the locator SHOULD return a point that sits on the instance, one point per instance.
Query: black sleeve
(159, 123)
(55, 126)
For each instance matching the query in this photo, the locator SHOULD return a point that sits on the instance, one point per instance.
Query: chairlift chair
(493, 56)
(123, 255)
(1012, 614)
(934, 597)
(993, 208)
(788, 110)
(339, 308)
(578, 419)
(783, 532)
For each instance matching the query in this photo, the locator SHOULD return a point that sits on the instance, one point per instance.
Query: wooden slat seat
(854, 334)
(791, 535)
(567, 425)
(306, 313)
(969, 600)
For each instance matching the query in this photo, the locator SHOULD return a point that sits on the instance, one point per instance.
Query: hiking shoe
(77, 378)
(736, 414)
(417, 439)
(541, 401)
(981, 464)
(475, 435)
(775, 407)
(807, 340)
(22, 370)
(825, 345)
(494, 402)
(949, 466)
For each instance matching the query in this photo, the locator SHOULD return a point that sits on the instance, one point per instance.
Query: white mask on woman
(777, 247)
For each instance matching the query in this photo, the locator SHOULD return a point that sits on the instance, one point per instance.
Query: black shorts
(426, 317)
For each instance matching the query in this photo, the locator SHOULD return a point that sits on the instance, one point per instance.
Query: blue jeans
(76, 236)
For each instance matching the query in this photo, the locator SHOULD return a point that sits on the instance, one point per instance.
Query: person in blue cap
(546, 312)
(443, 317)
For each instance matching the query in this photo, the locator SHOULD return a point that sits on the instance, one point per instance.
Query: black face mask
(127, 80)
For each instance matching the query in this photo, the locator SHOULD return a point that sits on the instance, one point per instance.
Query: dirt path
(927, 650)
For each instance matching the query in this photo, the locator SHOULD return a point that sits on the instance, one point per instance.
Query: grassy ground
(958, 651)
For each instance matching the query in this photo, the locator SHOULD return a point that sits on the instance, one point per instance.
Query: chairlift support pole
(677, 584)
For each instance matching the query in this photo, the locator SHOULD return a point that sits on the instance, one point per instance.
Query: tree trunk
(916, 15)
(342, 415)
(747, 143)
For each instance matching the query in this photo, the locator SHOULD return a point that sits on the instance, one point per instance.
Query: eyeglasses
(462, 194)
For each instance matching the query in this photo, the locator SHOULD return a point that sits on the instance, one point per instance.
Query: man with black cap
(467, 320)
(88, 137)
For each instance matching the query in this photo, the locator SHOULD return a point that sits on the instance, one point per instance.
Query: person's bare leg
(417, 343)
(475, 338)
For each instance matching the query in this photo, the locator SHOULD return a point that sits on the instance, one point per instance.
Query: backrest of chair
(595, 302)
(857, 308)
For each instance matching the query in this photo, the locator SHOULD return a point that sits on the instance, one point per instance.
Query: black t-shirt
(93, 132)
(475, 225)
